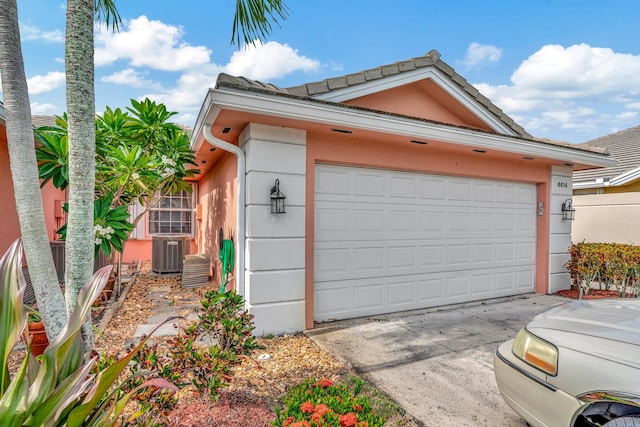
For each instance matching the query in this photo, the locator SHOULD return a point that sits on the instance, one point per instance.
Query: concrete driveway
(436, 363)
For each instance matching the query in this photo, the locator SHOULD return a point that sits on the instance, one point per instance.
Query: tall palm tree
(252, 20)
(24, 172)
(79, 71)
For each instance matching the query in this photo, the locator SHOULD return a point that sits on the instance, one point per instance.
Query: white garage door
(389, 241)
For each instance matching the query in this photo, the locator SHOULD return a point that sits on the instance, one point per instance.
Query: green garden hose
(227, 258)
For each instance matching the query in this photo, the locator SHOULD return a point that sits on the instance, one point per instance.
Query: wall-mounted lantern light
(277, 199)
(567, 210)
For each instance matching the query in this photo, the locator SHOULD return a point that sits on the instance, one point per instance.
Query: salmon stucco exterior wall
(218, 196)
(387, 156)
(52, 199)
(9, 226)
(419, 100)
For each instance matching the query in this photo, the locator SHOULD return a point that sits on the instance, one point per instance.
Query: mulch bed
(256, 386)
(593, 294)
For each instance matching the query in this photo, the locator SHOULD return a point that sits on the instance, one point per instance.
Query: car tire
(623, 422)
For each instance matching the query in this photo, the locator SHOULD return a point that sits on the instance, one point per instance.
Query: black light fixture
(277, 199)
(567, 210)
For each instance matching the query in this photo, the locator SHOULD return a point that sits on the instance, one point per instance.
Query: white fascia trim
(390, 82)
(299, 109)
(2, 116)
(588, 184)
(626, 177)
(619, 180)
(207, 114)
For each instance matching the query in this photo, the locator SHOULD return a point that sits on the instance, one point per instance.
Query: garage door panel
(369, 296)
(368, 221)
(402, 293)
(331, 183)
(527, 195)
(369, 184)
(388, 241)
(363, 297)
(525, 279)
(402, 257)
(424, 221)
(402, 221)
(333, 302)
(369, 260)
(456, 286)
(333, 220)
(333, 261)
(481, 284)
(401, 187)
(351, 260)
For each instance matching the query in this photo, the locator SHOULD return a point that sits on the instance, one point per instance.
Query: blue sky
(564, 69)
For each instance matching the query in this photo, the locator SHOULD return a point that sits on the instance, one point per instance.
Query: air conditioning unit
(168, 251)
(57, 250)
(59, 257)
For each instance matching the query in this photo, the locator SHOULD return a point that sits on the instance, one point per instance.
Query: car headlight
(536, 352)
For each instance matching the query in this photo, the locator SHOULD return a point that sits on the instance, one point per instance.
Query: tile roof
(39, 121)
(309, 90)
(624, 146)
(431, 59)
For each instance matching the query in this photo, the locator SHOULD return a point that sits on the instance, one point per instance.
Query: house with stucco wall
(52, 198)
(405, 188)
(607, 200)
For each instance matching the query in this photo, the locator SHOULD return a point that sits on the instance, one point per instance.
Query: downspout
(240, 225)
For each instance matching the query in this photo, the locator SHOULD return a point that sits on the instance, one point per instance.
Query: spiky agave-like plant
(56, 389)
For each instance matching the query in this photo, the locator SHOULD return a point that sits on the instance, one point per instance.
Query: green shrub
(321, 403)
(188, 361)
(607, 265)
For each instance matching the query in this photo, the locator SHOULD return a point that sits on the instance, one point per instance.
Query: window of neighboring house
(174, 214)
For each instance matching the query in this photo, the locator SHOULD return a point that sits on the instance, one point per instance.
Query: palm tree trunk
(24, 172)
(79, 68)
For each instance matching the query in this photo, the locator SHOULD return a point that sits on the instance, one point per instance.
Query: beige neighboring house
(607, 200)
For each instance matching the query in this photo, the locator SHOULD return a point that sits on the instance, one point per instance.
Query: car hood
(611, 319)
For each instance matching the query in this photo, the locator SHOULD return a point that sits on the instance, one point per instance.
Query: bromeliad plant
(56, 389)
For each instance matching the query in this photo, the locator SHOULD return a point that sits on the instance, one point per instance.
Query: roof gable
(438, 80)
(426, 100)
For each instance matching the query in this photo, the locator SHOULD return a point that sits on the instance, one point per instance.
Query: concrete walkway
(437, 364)
(162, 307)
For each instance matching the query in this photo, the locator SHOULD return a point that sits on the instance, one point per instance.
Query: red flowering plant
(316, 403)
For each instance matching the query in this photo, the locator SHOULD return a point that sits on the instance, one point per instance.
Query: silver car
(575, 365)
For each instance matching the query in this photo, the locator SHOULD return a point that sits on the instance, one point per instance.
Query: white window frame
(191, 210)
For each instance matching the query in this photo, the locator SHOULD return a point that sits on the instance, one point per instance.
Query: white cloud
(479, 55)
(190, 89)
(627, 115)
(131, 77)
(45, 108)
(578, 71)
(152, 44)
(263, 62)
(42, 84)
(579, 88)
(268, 61)
(31, 33)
